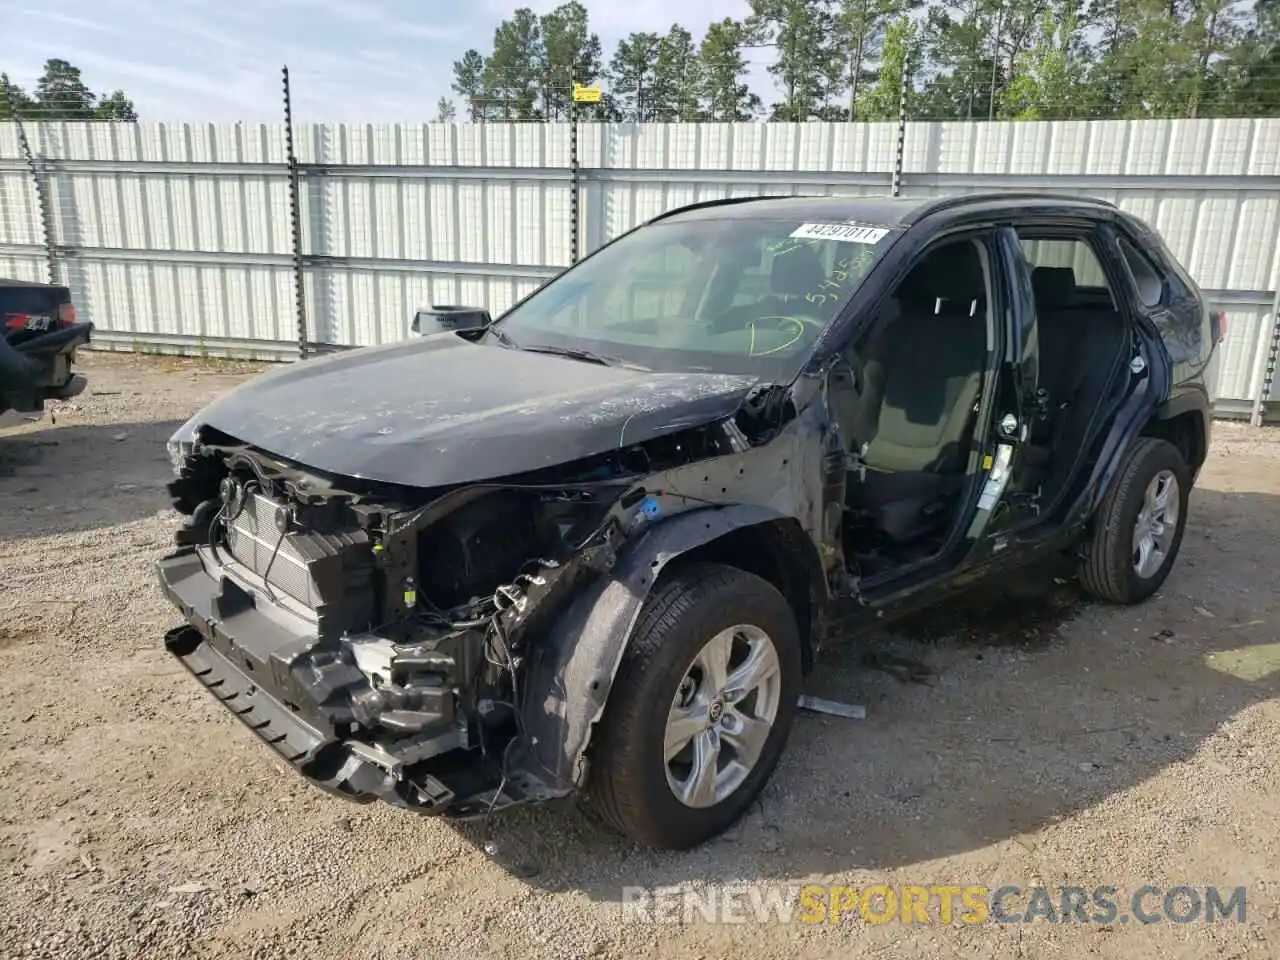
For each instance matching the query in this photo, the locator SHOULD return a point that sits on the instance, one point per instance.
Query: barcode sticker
(847, 232)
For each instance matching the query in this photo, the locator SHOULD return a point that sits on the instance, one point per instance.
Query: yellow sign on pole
(586, 94)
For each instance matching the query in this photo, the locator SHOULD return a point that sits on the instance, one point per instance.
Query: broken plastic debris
(834, 708)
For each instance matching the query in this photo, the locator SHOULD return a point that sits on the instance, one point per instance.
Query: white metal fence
(179, 237)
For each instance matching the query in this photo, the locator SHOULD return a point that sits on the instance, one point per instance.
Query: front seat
(921, 379)
(794, 275)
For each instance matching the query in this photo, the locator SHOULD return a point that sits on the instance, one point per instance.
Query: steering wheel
(791, 326)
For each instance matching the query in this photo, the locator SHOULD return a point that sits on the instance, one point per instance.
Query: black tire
(1108, 571)
(628, 779)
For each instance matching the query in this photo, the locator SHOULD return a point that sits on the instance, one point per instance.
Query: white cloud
(67, 20)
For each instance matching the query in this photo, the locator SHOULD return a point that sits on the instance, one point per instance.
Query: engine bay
(413, 611)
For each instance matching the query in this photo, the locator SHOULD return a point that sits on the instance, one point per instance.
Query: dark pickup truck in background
(38, 348)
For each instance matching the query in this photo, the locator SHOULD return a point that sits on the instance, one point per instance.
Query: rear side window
(1076, 254)
(1147, 279)
(1065, 271)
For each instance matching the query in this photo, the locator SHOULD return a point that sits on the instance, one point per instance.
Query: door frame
(901, 586)
(1099, 235)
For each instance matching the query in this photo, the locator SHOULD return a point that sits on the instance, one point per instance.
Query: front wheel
(1138, 529)
(701, 708)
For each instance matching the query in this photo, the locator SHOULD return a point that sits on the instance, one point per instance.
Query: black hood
(441, 410)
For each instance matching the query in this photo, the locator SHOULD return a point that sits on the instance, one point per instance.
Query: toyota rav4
(594, 545)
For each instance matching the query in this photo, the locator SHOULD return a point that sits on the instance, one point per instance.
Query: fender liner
(1186, 399)
(572, 668)
(1192, 398)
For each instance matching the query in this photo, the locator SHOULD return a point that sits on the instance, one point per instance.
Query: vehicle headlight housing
(181, 446)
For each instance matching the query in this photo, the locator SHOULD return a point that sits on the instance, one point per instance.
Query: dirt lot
(1061, 743)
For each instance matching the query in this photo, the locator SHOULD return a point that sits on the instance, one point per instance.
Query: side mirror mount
(442, 319)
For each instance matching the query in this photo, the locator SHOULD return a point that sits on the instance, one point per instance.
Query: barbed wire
(950, 98)
(17, 102)
(954, 97)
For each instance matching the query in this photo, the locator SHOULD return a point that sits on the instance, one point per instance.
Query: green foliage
(61, 94)
(468, 83)
(514, 72)
(633, 75)
(725, 95)
(883, 96)
(677, 78)
(845, 59)
(862, 29)
(806, 62)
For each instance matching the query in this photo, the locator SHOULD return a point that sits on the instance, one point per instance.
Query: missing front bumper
(330, 764)
(241, 656)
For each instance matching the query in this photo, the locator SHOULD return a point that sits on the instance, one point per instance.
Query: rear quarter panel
(1185, 300)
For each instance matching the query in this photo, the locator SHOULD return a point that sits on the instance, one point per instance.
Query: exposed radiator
(290, 563)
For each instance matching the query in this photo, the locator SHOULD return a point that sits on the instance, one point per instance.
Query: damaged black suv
(594, 545)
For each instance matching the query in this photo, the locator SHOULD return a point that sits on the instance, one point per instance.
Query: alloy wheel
(1156, 525)
(721, 715)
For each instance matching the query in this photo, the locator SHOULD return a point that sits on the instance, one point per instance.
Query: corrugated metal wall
(22, 253)
(179, 236)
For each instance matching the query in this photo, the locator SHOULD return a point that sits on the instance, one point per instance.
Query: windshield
(725, 296)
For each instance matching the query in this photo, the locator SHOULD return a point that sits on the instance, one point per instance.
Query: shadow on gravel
(71, 478)
(1022, 726)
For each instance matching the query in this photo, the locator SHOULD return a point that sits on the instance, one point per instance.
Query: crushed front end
(375, 635)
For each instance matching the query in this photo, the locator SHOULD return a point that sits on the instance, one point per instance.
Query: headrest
(796, 272)
(952, 273)
(1053, 286)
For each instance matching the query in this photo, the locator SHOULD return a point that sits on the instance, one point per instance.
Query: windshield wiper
(577, 353)
(503, 339)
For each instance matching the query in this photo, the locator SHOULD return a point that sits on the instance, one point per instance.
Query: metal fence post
(39, 173)
(295, 219)
(1269, 368)
(895, 187)
(574, 182)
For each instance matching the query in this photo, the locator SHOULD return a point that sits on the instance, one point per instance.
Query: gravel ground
(1060, 743)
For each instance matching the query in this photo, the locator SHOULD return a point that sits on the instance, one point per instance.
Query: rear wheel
(1139, 526)
(701, 708)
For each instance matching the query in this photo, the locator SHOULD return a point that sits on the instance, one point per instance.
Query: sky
(362, 60)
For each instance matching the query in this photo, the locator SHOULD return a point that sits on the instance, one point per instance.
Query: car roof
(879, 210)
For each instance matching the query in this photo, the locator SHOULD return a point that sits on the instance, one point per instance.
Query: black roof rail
(720, 202)
(962, 199)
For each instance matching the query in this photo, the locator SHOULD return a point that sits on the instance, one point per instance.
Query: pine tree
(801, 33)
(633, 75)
(571, 55)
(468, 83)
(725, 94)
(14, 101)
(677, 77)
(514, 72)
(62, 95)
(860, 28)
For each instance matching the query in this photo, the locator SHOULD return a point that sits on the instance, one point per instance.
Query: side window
(1064, 272)
(1146, 276)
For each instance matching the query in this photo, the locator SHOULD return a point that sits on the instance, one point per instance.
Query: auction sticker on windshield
(848, 232)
